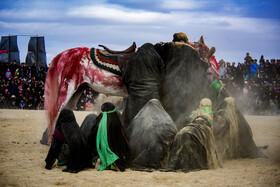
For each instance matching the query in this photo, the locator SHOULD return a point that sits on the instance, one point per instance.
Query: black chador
(68, 132)
(107, 140)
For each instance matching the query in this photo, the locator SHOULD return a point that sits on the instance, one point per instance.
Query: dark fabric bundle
(193, 148)
(247, 146)
(150, 135)
(78, 157)
(184, 81)
(88, 124)
(234, 138)
(141, 74)
(116, 136)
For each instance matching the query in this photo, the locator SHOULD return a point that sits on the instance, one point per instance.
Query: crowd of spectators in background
(22, 87)
(254, 84)
(86, 100)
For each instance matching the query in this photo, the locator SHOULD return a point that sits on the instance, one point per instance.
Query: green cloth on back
(207, 110)
(215, 89)
(106, 156)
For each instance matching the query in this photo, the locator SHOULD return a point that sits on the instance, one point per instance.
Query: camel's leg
(76, 96)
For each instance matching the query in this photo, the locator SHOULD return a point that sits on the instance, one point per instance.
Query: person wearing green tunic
(107, 140)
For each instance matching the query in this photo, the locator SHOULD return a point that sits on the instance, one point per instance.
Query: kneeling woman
(107, 140)
(67, 131)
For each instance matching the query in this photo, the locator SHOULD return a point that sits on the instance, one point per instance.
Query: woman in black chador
(107, 140)
(99, 138)
(67, 132)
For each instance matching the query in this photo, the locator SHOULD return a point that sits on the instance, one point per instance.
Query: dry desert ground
(22, 159)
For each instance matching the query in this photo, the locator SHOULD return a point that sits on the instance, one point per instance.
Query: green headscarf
(106, 156)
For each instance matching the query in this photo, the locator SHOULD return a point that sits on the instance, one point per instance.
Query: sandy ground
(22, 159)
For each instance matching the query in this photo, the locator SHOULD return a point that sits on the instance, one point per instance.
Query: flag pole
(9, 49)
(37, 50)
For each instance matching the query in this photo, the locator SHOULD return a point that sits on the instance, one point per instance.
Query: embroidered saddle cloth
(111, 60)
(105, 60)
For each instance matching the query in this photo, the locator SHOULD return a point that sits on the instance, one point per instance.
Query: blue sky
(234, 27)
